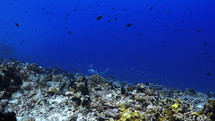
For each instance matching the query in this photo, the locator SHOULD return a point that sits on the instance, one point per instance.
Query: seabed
(29, 92)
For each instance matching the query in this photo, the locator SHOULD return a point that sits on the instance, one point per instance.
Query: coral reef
(33, 93)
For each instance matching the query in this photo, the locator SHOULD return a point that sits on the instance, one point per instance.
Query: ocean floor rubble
(29, 92)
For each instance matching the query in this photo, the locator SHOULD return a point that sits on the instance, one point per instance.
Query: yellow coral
(175, 106)
(128, 115)
(162, 119)
(195, 113)
(52, 90)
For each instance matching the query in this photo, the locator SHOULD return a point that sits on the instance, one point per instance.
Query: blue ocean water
(159, 41)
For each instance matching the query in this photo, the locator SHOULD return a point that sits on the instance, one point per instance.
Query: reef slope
(29, 92)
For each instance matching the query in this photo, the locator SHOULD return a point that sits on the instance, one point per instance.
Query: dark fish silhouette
(150, 9)
(129, 25)
(208, 74)
(190, 13)
(17, 24)
(139, 34)
(111, 77)
(206, 53)
(69, 32)
(205, 44)
(182, 20)
(208, 56)
(176, 30)
(198, 31)
(147, 83)
(99, 17)
(170, 12)
(115, 19)
(22, 41)
(164, 41)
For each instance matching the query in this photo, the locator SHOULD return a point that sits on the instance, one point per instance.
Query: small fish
(68, 14)
(150, 9)
(140, 57)
(139, 34)
(99, 17)
(113, 8)
(205, 54)
(176, 30)
(208, 74)
(170, 12)
(190, 13)
(22, 41)
(17, 24)
(69, 32)
(147, 83)
(164, 41)
(115, 19)
(182, 20)
(74, 9)
(198, 31)
(129, 25)
(205, 44)
(111, 77)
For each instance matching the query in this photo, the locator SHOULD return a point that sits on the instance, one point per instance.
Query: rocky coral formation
(34, 93)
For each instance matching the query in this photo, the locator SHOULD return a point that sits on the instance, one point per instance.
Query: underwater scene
(107, 60)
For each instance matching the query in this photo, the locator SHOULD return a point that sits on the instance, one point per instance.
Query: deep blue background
(65, 33)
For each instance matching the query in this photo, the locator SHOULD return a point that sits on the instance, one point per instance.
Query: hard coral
(129, 115)
(209, 109)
